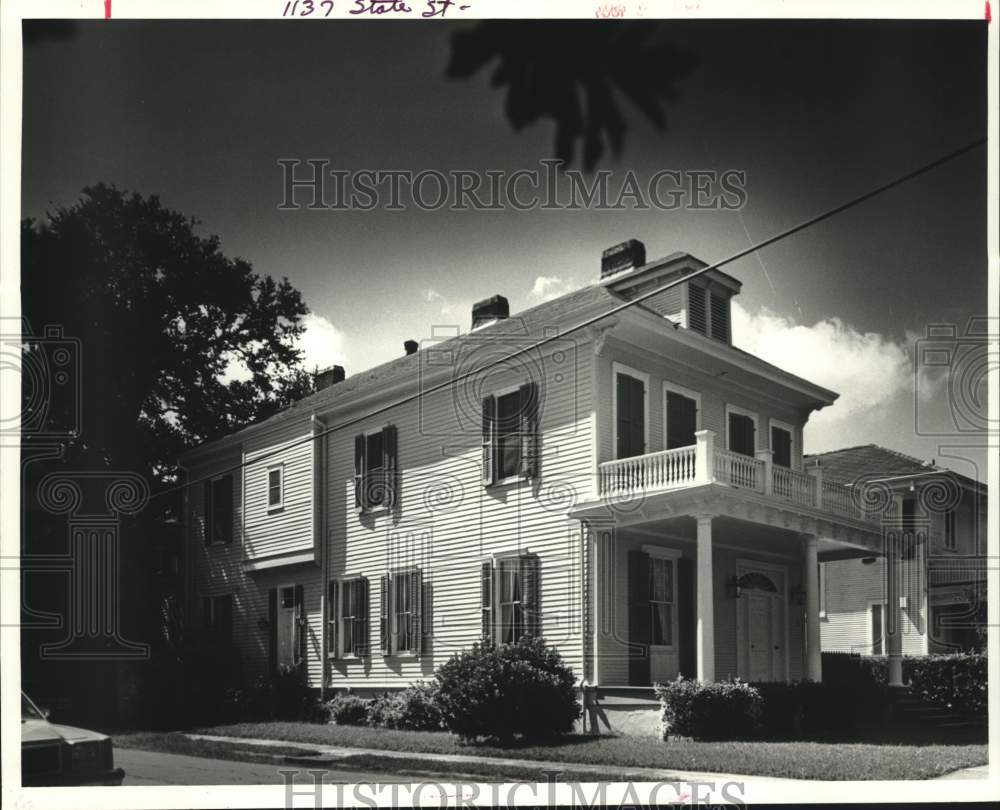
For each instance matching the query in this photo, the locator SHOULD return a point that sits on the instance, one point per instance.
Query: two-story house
(942, 574)
(619, 479)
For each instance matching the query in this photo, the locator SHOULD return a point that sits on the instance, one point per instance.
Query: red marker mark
(107, 9)
(989, 16)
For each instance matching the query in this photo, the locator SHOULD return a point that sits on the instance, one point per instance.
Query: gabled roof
(866, 460)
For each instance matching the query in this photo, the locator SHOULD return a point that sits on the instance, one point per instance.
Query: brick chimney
(622, 257)
(411, 346)
(329, 376)
(491, 309)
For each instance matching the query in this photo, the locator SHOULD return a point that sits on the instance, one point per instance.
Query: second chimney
(411, 346)
(329, 376)
(623, 256)
(490, 309)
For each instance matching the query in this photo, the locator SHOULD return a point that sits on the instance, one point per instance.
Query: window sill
(374, 511)
(404, 655)
(274, 509)
(507, 482)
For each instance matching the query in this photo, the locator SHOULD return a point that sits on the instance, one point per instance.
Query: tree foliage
(160, 313)
(571, 72)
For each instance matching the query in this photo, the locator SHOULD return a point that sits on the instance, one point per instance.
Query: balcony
(703, 463)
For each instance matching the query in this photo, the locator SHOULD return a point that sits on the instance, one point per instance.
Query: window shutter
(638, 618)
(720, 317)
(489, 420)
(682, 420)
(385, 620)
(359, 472)
(486, 601)
(272, 629)
(361, 611)
(300, 625)
(697, 317)
(223, 507)
(686, 617)
(333, 618)
(415, 585)
(529, 430)
(207, 527)
(390, 488)
(528, 565)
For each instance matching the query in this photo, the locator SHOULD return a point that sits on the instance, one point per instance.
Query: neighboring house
(942, 575)
(633, 491)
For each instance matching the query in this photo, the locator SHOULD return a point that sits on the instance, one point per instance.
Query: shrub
(507, 691)
(284, 695)
(819, 711)
(348, 710)
(412, 709)
(958, 681)
(729, 710)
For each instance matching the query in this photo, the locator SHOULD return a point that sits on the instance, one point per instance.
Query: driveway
(152, 768)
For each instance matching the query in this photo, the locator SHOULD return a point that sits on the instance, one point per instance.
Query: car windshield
(29, 711)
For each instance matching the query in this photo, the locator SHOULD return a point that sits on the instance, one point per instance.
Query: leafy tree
(160, 312)
(570, 71)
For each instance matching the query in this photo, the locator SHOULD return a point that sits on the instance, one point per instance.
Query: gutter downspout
(319, 537)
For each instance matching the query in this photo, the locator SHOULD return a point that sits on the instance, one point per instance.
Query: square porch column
(814, 653)
(705, 624)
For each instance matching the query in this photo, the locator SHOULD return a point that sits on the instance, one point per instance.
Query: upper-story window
(682, 415)
(275, 487)
(781, 445)
(375, 469)
(511, 434)
(630, 409)
(741, 431)
(218, 497)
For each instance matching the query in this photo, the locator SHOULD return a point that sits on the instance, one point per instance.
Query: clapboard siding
(447, 521)
(290, 529)
(714, 399)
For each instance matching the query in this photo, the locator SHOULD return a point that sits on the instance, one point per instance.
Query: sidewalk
(329, 753)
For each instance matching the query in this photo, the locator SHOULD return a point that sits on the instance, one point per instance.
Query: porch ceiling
(739, 512)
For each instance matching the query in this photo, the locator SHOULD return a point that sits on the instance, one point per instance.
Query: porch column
(814, 655)
(893, 618)
(705, 627)
(704, 456)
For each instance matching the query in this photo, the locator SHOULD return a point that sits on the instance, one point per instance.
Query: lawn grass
(177, 743)
(796, 760)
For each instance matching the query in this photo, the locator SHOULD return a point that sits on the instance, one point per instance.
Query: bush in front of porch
(728, 710)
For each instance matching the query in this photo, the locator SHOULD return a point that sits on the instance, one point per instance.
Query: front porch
(707, 570)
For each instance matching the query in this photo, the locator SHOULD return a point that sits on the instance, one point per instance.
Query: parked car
(63, 755)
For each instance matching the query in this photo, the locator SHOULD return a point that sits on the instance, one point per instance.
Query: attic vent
(720, 317)
(697, 317)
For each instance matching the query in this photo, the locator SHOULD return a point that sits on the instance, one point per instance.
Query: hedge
(729, 710)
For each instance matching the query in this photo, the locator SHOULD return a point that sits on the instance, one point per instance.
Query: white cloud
(548, 287)
(322, 343)
(871, 372)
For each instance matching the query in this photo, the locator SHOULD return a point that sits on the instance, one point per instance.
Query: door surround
(778, 574)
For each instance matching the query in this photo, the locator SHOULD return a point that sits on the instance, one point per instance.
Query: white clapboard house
(633, 491)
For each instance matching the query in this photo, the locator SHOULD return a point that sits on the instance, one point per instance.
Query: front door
(761, 627)
(287, 626)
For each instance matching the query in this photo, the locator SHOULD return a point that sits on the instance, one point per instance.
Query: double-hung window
(275, 487)
(661, 600)
(511, 434)
(349, 618)
(375, 469)
(401, 626)
(509, 598)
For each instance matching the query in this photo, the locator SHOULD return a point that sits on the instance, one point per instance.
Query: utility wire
(596, 318)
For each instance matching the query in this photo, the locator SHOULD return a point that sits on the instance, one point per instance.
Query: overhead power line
(807, 223)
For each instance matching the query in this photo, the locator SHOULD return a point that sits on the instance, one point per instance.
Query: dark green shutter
(363, 623)
(223, 507)
(359, 472)
(385, 617)
(489, 420)
(686, 617)
(415, 585)
(741, 434)
(300, 624)
(530, 603)
(638, 618)
(207, 527)
(389, 465)
(631, 416)
(333, 618)
(529, 428)
(781, 447)
(486, 601)
(272, 630)
(682, 420)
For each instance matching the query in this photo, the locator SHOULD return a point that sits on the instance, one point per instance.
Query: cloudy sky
(814, 113)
